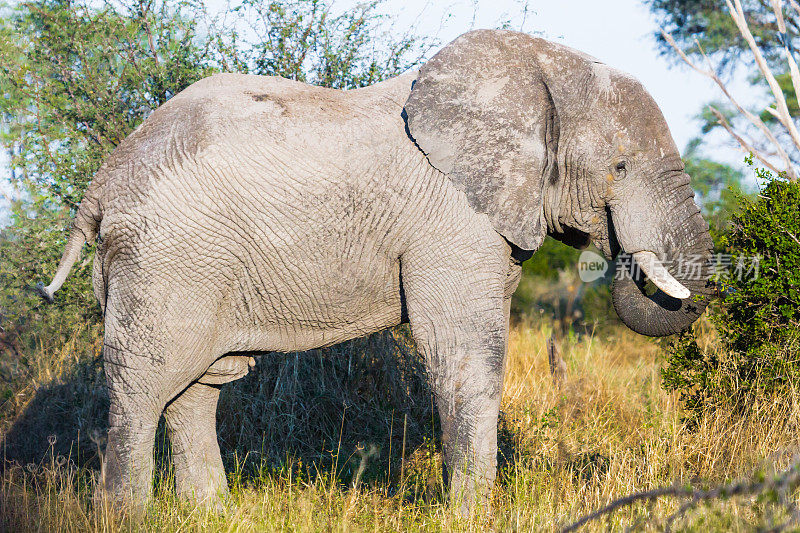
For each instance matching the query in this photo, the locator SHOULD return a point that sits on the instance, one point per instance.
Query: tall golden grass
(608, 431)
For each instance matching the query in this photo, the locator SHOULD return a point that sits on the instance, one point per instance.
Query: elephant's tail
(84, 229)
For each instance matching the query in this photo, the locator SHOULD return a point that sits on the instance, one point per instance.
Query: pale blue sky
(618, 32)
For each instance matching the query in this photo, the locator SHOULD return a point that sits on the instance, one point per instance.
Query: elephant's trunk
(677, 242)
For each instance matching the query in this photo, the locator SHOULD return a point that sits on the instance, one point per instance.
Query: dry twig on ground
(779, 487)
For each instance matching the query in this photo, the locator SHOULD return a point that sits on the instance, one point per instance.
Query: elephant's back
(260, 120)
(226, 128)
(259, 112)
(263, 114)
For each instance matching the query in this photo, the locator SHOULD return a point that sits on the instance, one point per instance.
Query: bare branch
(788, 479)
(795, 74)
(751, 117)
(667, 37)
(145, 11)
(778, 10)
(737, 13)
(747, 147)
(795, 5)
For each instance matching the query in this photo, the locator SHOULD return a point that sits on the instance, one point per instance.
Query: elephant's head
(546, 140)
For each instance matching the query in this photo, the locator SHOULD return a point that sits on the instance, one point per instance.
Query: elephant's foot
(471, 492)
(127, 473)
(202, 483)
(191, 422)
(470, 458)
(125, 482)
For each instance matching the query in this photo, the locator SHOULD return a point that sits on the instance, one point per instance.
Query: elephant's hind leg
(191, 422)
(136, 402)
(153, 349)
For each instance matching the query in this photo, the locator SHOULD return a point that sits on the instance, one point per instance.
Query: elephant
(254, 214)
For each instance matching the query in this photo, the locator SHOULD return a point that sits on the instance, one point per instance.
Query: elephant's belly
(301, 338)
(319, 304)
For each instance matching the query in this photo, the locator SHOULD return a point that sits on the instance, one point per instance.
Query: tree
(762, 31)
(303, 40)
(78, 77)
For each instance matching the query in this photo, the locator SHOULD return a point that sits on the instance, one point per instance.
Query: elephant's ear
(481, 112)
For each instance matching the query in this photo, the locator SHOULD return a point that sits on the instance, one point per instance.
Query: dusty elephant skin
(254, 214)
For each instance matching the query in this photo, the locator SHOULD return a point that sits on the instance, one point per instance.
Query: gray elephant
(257, 214)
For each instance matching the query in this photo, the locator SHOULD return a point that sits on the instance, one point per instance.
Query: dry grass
(314, 442)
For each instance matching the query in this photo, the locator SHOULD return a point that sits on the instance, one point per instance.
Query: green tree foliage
(303, 40)
(78, 80)
(550, 259)
(718, 187)
(78, 77)
(758, 315)
(764, 308)
(706, 25)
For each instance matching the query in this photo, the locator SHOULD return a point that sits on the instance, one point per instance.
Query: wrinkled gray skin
(254, 214)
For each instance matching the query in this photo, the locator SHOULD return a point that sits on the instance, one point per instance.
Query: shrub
(757, 318)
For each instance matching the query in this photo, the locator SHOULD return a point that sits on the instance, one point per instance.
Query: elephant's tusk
(659, 275)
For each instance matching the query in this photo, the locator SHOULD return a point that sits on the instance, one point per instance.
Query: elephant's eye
(621, 166)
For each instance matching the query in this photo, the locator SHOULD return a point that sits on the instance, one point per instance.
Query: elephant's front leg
(457, 314)
(468, 400)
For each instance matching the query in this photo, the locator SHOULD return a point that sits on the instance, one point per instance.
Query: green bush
(757, 318)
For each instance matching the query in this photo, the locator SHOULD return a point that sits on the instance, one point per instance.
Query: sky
(618, 32)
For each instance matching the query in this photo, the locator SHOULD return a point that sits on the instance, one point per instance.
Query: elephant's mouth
(660, 296)
(646, 260)
(666, 307)
(572, 237)
(653, 294)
